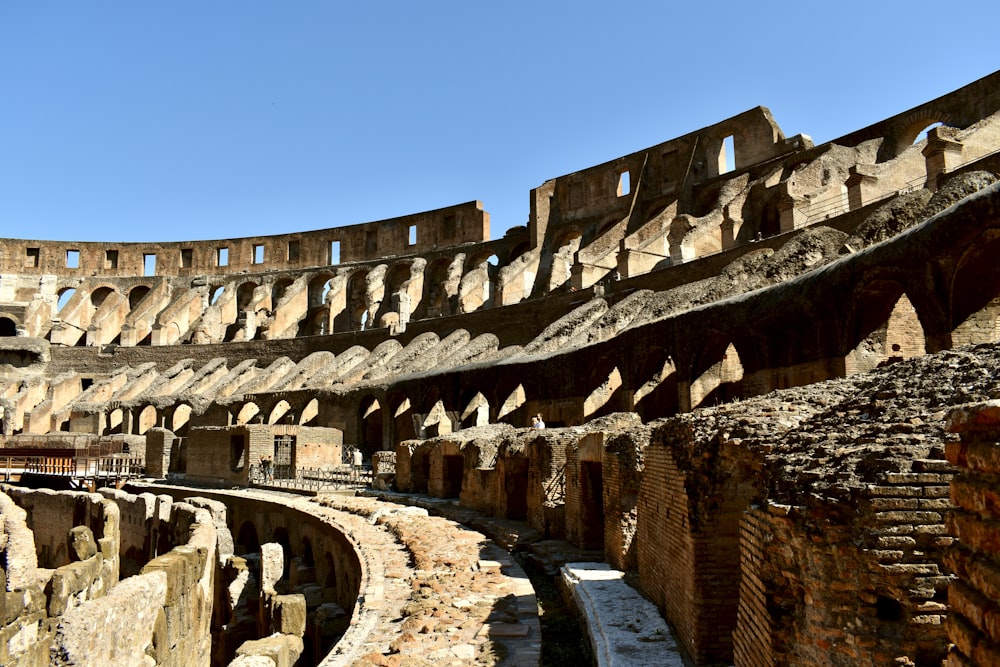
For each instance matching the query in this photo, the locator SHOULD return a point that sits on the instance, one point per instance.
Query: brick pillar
(942, 154)
(974, 599)
(862, 186)
(791, 209)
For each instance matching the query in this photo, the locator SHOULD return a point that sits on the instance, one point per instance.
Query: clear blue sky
(184, 120)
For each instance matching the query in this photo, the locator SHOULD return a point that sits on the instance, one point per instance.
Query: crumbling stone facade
(744, 374)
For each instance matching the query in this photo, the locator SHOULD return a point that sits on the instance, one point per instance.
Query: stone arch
(512, 409)
(278, 290)
(974, 292)
(606, 392)
(657, 396)
(63, 296)
(310, 414)
(99, 294)
(403, 417)
(278, 413)
(136, 295)
(437, 420)
(357, 301)
(180, 420)
(437, 298)
(883, 327)
(371, 434)
(475, 411)
(116, 420)
(476, 289)
(396, 279)
(517, 250)
(8, 327)
(247, 412)
(147, 419)
(907, 128)
(717, 372)
(247, 541)
(244, 295)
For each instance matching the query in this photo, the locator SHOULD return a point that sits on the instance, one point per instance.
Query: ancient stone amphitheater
(768, 372)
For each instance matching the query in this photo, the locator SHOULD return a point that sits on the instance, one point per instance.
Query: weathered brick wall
(623, 469)
(975, 555)
(584, 491)
(853, 585)
(546, 451)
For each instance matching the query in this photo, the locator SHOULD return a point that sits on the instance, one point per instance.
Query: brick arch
(8, 325)
(437, 299)
(907, 127)
(974, 291)
(883, 325)
(402, 414)
(654, 383)
(716, 370)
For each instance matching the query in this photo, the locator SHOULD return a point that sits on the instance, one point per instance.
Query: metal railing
(95, 469)
(313, 479)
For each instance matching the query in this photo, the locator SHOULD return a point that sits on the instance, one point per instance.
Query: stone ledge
(625, 629)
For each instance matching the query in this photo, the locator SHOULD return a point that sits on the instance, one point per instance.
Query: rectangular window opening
(624, 183)
(149, 264)
(110, 259)
(31, 257)
(413, 235)
(727, 163)
(293, 250)
(222, 257)
(72, 259)
(258, 253)
(449, 226)
(371, 242)
(335, 252)
(187, 258)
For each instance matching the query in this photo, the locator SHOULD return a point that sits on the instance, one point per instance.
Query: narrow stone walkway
(468, 602)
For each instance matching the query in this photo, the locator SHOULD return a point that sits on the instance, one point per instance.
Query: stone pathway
(465, 601)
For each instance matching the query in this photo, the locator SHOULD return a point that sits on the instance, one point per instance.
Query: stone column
(862, 186)
(943, 153)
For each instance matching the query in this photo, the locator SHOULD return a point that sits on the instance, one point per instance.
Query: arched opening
(437, 422)
(98, 296)
(657, 396)
(115, 421)
(884, 328)
(147, 419)
(605, 397)
(64, 296)
(247, 412)
(7, 327)
(476, 412)
(278, 290)
(281, 409)
(357, 301)
(975, 292)
(247, 541)
(181, 418)
(512, 408)
(403, 419)
(718, 374)
(136, 295)
(216, 293)
(371, 426)
(436, 301)
(310, 414)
